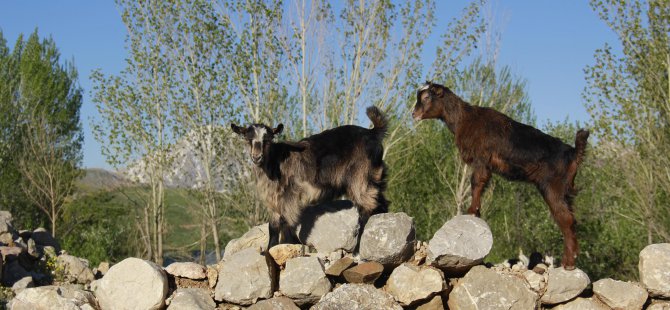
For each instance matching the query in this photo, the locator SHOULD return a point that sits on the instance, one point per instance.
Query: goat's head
(428, 101)
(259, 137)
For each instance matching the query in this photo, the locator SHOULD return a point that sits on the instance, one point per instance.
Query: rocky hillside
(341, 266)
(188, 160)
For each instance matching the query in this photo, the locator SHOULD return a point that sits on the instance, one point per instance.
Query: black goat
(291, 176)
(489, 141)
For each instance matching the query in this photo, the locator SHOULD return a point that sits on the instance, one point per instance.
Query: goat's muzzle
(257, 160)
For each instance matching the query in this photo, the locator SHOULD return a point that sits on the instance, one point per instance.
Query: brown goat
(291, 176)
(489, 141)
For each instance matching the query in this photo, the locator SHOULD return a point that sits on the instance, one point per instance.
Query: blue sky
(546, 42)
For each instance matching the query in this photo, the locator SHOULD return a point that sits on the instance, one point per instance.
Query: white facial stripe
(424, 87)
(260, 133)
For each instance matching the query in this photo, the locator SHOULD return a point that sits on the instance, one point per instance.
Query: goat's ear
(238, 130)
(437, 90)
(278, 129)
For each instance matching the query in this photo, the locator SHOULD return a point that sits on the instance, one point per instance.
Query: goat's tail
(378, 119)
(580, 145)
(580, 150)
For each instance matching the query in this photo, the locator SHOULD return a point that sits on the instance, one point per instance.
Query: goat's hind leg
(274, 228)
(564, 217)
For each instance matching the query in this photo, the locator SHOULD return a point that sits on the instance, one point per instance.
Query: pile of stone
(344, 266)
(34, 258)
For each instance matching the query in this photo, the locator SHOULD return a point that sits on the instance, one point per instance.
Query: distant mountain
(189, 158)
(100, 179)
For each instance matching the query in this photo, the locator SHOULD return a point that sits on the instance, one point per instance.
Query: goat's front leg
(274, 227)
(480, 178)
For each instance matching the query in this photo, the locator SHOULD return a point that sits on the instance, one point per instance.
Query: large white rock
(304, 280)
(582, 304)
(410, 284)
(52, 297)
(187, 270)
(133, 283)
(330, 226)
(245, 277)
(388, 238)
(460, 243)
(357, 297)
(619, 294)
(7, 232)
(257, 238)
(563, 285)
(191, 299)
(654, 269)
(483, 288)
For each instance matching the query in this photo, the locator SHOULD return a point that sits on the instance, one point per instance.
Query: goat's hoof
(569, 268)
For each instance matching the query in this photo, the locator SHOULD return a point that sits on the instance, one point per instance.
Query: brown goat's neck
(453, 108)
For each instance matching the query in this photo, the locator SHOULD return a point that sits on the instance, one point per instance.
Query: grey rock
(22, 284)
(330, 226)
(103, 267)
(11, 253)
(582, 304)
(654, 269)
(257, 238)
(563, 285)
(304, 280)
(462, 242)
(187, 270)
(659, 305)
(483, 288)
(277, 303)
(245, 277)
(410, 284)
(536, 281)
(619, 294)
(75, 269)
(212, 275)
(191, 299)
(32, 249)
(388, 238)
(43, 237)
(357, 297)
(53, 297)
(133, 283)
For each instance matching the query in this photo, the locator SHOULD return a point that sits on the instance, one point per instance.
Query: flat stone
(619, 294)
(659, 305)
(52, 297)
(435, 303)
(22, 284)
(187, 270)
(366, 272)
(75, 269)
(339, 266)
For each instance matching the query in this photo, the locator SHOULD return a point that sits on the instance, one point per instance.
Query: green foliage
(40, 133)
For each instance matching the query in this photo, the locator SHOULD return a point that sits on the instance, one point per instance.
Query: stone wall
(384, 268)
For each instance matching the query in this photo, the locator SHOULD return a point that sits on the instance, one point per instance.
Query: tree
(44, 133)
(135, 109)
(628, 97)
